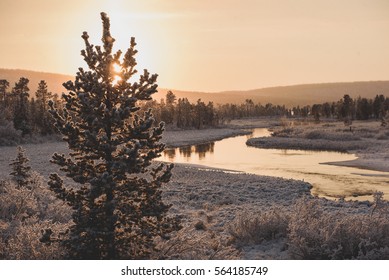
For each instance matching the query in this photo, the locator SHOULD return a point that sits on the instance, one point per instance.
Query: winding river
(327, 180)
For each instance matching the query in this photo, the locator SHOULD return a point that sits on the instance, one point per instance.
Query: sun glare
(116, 68)
(116, 80)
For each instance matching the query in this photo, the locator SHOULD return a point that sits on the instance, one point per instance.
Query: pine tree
(4, 84)
(118, 210)
(21, 169)
(4, 103)
(20, 94)
(43, 118)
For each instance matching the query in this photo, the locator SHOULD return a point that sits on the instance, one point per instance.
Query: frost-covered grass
(314, 233)
(209, 201)
(24, 213)
(309, 230)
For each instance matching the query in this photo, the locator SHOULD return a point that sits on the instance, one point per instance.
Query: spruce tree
(20, 168)
(4, 102)
(20, 94)
(118, 209)
(4, 84)
(43, 118)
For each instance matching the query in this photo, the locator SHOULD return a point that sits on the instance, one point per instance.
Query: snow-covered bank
(368, 140)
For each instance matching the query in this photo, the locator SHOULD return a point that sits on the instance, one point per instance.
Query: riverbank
(222, 211)
(367, 140)
(181, 138)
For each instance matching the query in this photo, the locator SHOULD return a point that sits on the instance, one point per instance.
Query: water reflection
(170, 154)
(203, 149)
(327, 180)
(187, 152)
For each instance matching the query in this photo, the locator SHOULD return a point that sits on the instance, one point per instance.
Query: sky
(203, 45)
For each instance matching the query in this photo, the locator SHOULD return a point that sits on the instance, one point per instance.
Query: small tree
(118, 210)
(21, 169)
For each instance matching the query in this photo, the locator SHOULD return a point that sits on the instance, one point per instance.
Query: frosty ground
(210, 201)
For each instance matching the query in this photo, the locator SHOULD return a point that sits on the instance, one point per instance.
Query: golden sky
(208, 45)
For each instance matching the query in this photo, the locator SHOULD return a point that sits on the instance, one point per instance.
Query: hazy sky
(208, 45)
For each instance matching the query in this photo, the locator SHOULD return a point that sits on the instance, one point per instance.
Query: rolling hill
(286, 95)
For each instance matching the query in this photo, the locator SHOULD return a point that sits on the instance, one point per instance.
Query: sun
(116, 80)
(116, 69)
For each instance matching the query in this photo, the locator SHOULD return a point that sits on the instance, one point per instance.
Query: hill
(291, 95)
(54, 81)
(286, 95)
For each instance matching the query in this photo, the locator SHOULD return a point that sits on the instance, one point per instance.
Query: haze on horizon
(208, 45)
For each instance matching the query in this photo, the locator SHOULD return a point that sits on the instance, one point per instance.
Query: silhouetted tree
(4, 84)
(316, 111)
(5, 110)
(363, 109)
(346, 109)
(379, 106)
(21, 116)
(43, 118)
(118, 210)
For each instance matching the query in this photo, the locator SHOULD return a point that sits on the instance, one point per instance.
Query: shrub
(23, 214)
(255, 228)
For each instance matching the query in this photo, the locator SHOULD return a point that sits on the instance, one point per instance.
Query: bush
(253, 229)
(23, 214)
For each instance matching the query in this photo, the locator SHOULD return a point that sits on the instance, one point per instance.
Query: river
(327, 180)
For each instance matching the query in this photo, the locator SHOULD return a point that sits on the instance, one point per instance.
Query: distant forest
(28, 114)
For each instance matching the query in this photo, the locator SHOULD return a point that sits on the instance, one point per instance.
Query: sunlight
(116, 80)
(116, 68)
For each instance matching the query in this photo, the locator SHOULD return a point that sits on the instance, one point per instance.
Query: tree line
(31, 115)
(181, 113)
(28, 115)
(347, 109)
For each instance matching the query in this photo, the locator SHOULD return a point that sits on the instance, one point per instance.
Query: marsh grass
(312, 232)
